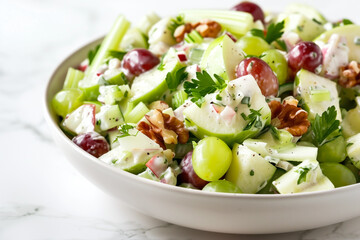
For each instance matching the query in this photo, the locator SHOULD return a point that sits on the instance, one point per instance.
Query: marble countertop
(41, 195)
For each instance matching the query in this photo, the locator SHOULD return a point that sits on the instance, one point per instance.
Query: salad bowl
(217, 212)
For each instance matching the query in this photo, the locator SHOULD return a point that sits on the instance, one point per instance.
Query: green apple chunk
(280, 147)
(132, 152)
(350, 124)
(352, 35)
(237, 113)
(151, 85)
(307, 11)
(353, 149)
(305, 177)
(306, 28)
(248, 170)
(317, 93)
(221, 57)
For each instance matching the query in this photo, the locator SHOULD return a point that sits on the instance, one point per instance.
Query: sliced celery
(193, 37)
(147, 22)
(73, 78)
(179, 98)
(238, 23)
(196, 55)
(110, 42)
(137, 113)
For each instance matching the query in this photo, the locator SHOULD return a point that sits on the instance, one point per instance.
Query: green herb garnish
(325, 128)
(174, 79)
(124, 131)
(253, 118)
(274, 32)
(203, 85)
(92, 53)
(117, 54)
(175, 23)
(303, 172)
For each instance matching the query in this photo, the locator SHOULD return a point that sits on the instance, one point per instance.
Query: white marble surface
(41, 194)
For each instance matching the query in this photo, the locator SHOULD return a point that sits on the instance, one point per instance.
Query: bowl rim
(166, 187)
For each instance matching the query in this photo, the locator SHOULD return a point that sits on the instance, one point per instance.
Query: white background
(41, 195)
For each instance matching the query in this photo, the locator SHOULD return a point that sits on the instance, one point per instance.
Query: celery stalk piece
(237, 23)
(110, 42)
(137, 113)
(179, 98)
(72, 79)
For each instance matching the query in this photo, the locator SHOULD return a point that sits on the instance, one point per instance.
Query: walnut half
(289, 116)
(163, 128)
(206, 28)
(350, 75)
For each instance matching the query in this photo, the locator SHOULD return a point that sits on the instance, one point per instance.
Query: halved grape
(277, 63)
(92, 142)
(188, 174)
(252, 8)
(222, 186)
(139, 60)
(211, 158)
(334, 151)
(66, 101)
(262, 73)
(338, 174)
(253, 45)
(306, 55)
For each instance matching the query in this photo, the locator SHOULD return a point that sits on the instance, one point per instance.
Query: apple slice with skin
(352, 35)
(221, 57)
(81, 120)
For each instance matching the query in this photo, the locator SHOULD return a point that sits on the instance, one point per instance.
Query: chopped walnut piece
(163, 128)
(206, 28)
(289, 117)
(159, 105)
(180, 31)
(350, 75)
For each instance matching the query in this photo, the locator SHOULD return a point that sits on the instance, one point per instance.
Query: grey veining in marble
(41, 195)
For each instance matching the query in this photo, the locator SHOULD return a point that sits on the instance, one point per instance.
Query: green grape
(269, 189)
(334, 151)
(66, 101)
(352, 168)
(338, 174)
(211, 158)
(253, 45)
(277, 63)
(222, 186)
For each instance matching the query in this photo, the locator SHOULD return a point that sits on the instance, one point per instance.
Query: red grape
(188, 174)
(306, 55)
(92, 142)
(139, 60)
(261, 71)
(251, 8)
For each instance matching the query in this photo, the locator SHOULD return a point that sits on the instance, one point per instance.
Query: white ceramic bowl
(218, 212)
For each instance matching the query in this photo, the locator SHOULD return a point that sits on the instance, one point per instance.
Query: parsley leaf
(274, 32)
(92, 53)
(162, 64)
(174, 79)
(117, 54)
(303, 172)
(253, 118)
(175, 22)
(124, 131)
(342, 23)
(203, 85)
(325, 128)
